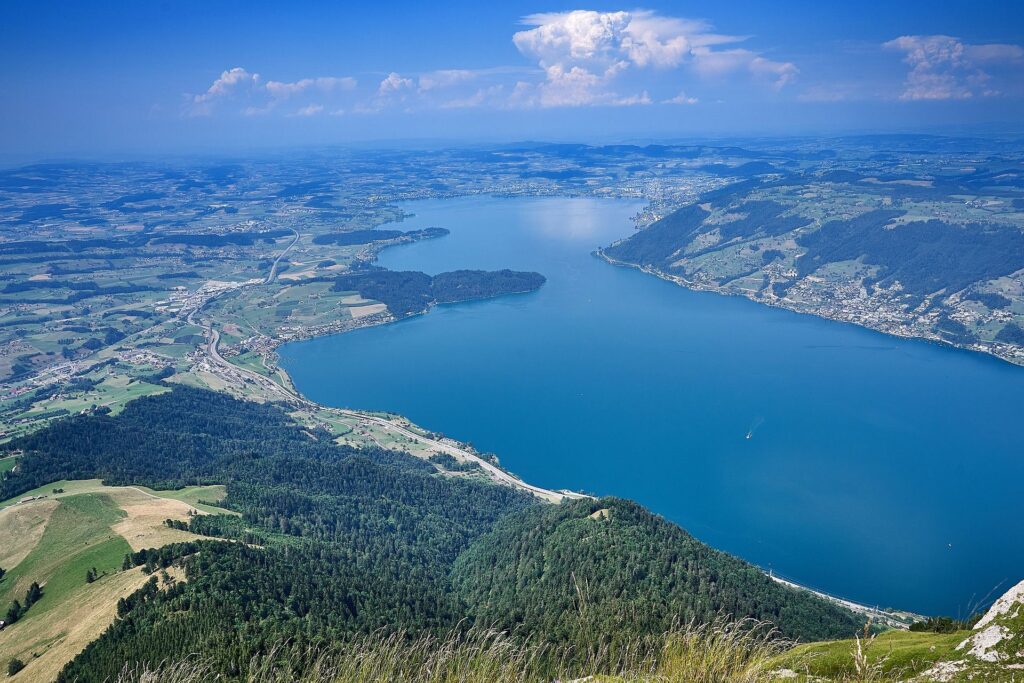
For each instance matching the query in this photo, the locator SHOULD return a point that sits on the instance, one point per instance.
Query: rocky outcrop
(994, 651)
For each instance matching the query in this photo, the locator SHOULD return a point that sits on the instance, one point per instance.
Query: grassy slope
(54, 541)
(47, 645)
(198, 497)
(21, 527)
(190, 494)
(894, 654)
(78, 537)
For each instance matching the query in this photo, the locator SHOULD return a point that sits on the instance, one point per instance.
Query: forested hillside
(339, 541)
(626, 571)
(913, 256)
(410, 292)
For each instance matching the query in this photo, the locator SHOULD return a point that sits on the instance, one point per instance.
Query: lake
(882, 470)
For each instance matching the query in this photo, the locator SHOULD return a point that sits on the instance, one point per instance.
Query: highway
(273, 269)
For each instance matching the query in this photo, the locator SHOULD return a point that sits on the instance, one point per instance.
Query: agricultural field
(932, 252)
(69, 529)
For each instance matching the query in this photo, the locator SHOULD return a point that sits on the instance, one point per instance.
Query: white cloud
(482, 97)
(571, 87)
(681, 98)
(229, 83)
(578, 58)
(946, 68)
(652, 40)
(325, 84)
(254, 97)
(995, 52)
(445, 78)
(576, 35)
(582, 52)
(394, 83)
(310, 110)
(779, 74)
(641, 98)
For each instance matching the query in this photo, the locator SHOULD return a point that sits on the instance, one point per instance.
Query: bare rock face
(995, 651)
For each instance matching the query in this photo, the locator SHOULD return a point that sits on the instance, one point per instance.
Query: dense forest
(240, 238)
(924, 256)
(353, 237)
(626, 571)
(655, 244)
(340, 541)
(760, 218)
(409, 292)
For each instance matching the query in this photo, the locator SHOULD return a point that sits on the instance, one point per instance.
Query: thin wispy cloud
(248, 93)
(681, 98)
(325, 84)
(310, 110)
(946, 68)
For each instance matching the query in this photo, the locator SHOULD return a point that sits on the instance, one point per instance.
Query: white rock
(1002, 605)
(982, 643)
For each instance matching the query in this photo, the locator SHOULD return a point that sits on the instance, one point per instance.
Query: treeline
(353, 237)
(240, 601)
(247, 238)
(664, 241)
(991, 300)
(1011, 333)
(18, 609)
(409, 292)
(944, 624)
(658, 242)
(760, 217)
(212, 240)
(80, 290)
(465, 285)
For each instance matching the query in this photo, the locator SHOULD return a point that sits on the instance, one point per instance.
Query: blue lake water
(886, 471)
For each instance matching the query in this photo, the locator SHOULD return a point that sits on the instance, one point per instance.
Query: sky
(143, 77)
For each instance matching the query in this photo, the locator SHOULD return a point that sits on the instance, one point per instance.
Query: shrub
(14, 666)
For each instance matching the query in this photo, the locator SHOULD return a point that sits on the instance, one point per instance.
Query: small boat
(750, 434)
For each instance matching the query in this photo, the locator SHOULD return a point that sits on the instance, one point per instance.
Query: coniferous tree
(32, 595)
(14, 612)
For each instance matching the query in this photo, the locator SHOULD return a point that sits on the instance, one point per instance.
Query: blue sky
(130, 77)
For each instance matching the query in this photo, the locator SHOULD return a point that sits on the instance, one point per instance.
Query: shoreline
(694, 287)
(292, 396)
(895, 619)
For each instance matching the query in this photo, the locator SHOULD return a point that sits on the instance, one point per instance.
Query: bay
(882, 470)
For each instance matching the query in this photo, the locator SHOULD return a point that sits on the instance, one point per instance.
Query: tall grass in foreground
(711, 653)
